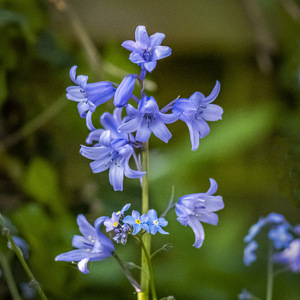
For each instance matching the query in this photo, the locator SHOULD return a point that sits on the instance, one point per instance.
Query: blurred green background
(251, 47)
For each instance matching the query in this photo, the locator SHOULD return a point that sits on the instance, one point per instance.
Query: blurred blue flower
(245, 295)
(28, 290)
(155, 223)
(290, 256)
(124, 91)
(146, 51)
(137, 221)
(147, 119)
(196, 110)
(88, 95)
(92, 246)
(122, 233)
(112, 151)
(124, 208)
(249, 255)
(281, 236)
(193, 208)
(270, 220)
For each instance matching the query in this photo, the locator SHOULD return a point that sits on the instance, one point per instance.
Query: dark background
(251, 47)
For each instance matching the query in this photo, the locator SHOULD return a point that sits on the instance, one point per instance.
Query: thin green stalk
(17, 250)
(150, 269)
(146, 239)
(9, 277)
(270, 275)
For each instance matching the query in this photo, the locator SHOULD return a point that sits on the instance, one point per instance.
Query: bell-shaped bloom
(88, 95)
(112, 151)
(249, 255)
(155, 224)
(290, 256)
(272, 220)
(124, 91)
(137, 221)
(147, 119)
(281, 236)
(147, 50)
(196, 208)
(91, 246)
(196, 111)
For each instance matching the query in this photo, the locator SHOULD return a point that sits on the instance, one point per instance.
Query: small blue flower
(88, 95)
(92, 246)
(280, 235)
(147, 119)
(112, 223)
(124, 91)
(155, 223)
(137, 221)
(193, 208)
(146, 51)
(249, 255)
(290, 256)
(196, 110)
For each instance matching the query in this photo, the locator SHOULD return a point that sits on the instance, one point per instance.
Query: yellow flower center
(138, 221)
(115, 224)
(117, 213)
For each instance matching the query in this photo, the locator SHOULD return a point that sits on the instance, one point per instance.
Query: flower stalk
(146, 238)
(17, 250)
(270, 275)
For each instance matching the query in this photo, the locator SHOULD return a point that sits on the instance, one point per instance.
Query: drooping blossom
(146, 50)
(88, 95)
(147, 119)
(91, 246)
(290, 256)
(249, 255)
(196, 208)
(196, 111)
(137, 221)
(124, 91)
(112, 151)
(155, 224)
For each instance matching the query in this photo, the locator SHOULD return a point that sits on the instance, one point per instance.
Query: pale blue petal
(212, 112)
(198, 231)
(160, 130)
(156, 39)
(141, 38)
(129, 45)
(161, 52)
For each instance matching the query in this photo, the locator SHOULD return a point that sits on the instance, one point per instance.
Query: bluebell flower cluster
(282, 234)
(113, 145)
(201, 207)
(93, 245)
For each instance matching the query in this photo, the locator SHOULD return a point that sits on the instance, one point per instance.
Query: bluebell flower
(155, 224)
(137, 221)
(112, 151)
(88, 95)
(196, 111)
(281, 236)
(249, 255)
(290, 256)
(193, 208)
(92, 246)
(124, 91)
(146, 51)
(147, 119)
(272, 219)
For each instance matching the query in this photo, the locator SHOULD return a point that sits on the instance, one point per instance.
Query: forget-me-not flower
(290, 256)
(88, 95)
(137, 221)
(92, 246)
(196, 208)
(147, 119)
(147, 50)
(196, 111)
(155, 223)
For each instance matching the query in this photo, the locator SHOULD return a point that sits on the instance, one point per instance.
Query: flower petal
(198, 231)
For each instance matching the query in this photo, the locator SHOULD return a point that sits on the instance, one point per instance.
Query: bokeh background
(251, 47)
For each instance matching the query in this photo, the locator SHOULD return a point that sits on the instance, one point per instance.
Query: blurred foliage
(253, 153)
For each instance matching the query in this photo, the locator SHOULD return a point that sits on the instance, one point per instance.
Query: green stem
(9, 277)
(146, 239)
(270, 276)
(150, 269)
(17, 250)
